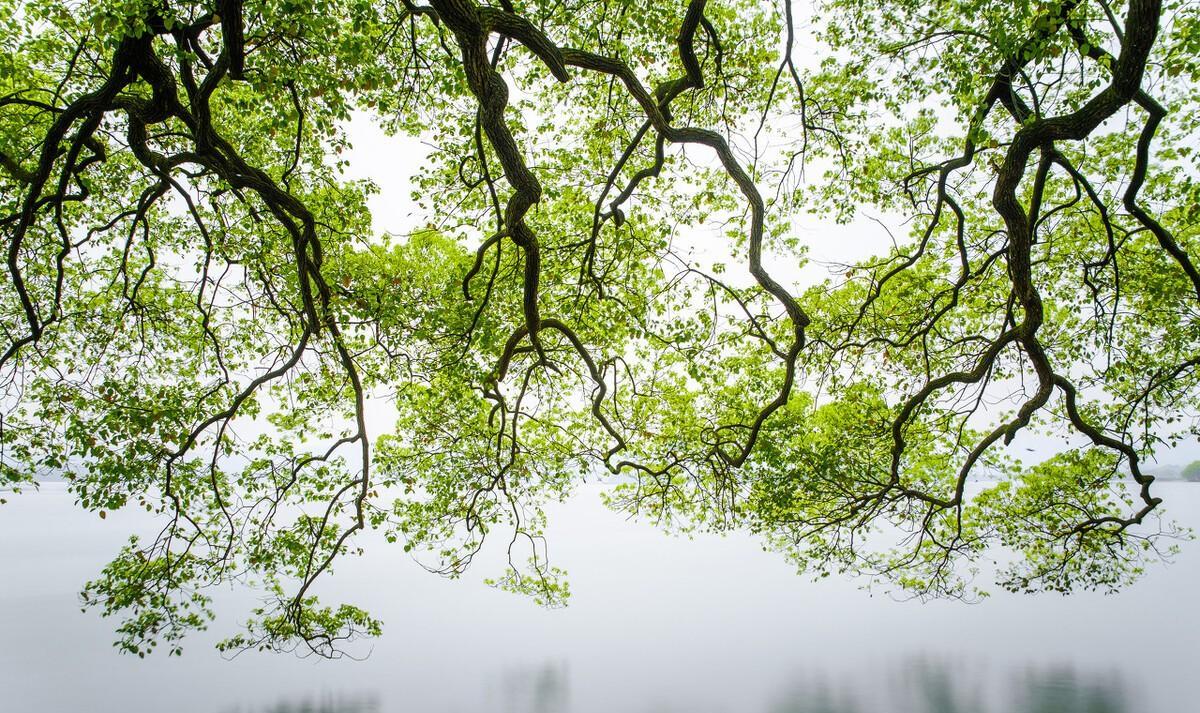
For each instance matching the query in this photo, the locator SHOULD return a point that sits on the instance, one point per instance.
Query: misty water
(656, 625)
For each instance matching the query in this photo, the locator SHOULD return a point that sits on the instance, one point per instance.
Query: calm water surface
(656, 625)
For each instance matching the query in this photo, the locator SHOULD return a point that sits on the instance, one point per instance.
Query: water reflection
(329, 703)
(813, 695)
(938, 687)
(543, 689)
(1064, 690)
(921, 685)
(915, 685)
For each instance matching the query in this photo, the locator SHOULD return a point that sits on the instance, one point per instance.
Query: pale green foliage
(219, 336)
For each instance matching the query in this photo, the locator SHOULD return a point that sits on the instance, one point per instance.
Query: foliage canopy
(199, 317)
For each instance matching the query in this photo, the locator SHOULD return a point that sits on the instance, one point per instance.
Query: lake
(656, 624)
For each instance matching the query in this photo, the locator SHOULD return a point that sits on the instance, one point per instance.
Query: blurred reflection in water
(915, 685)
(1063, 690)
(936, 687)
(813, 694)
(327, 703)
(922, 685)
(539, 690)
